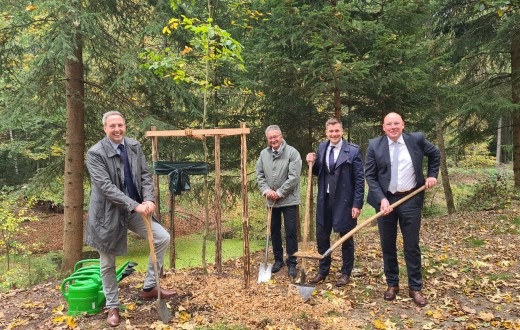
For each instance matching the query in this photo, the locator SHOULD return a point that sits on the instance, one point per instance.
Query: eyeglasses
(273, 137)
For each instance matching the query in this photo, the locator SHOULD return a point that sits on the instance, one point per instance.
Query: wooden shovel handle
(149, 231)
(307, 208)
(369, 220)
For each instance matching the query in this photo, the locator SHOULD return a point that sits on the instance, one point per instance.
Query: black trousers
(408, 217)
(323, 233)
(291, 239)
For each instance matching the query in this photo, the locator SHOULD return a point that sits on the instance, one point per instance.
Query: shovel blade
(164, 312)
(305, 291)
(264, 273)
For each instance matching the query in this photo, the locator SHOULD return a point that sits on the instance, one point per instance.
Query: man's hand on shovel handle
(146, 208)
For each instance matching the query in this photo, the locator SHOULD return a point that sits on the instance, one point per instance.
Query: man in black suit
(341, 190)
(393, 169)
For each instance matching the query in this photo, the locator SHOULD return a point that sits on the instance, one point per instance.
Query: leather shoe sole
(417, 298)
(391, 293)
(113, 317)
(318, 278)
(343, 280)
(165, 294)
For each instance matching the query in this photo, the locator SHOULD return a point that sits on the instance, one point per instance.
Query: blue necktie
(129, 182)
(331, 158)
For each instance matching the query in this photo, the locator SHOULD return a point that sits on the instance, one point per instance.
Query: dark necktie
(129, 182)
(331, 158)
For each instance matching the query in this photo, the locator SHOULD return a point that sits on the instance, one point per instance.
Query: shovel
(315, 255)
(160, 304)
(304, 289)
(264, 271)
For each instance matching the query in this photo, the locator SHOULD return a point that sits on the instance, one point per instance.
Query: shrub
(492, 193)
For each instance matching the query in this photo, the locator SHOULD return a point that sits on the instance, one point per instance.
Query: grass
(188, 251)
(28, 270)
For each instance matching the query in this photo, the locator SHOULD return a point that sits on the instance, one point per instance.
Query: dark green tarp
(179, 173)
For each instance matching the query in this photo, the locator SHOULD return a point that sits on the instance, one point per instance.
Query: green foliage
(209, 44)
(477, 156)
(12, 213)
(492, 193)
(28, 269)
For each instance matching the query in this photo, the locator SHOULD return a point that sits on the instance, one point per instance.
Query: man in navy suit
(341, 189)
(393, 169)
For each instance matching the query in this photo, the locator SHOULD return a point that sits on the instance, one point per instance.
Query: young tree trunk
(74, 161)
(448, 194)
(515, 98)
(499, 142)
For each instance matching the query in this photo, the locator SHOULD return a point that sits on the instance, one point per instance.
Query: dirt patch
(471, 278)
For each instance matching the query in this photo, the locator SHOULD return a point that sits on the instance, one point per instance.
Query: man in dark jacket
(394, 168)
(341, 188)
(121, 192)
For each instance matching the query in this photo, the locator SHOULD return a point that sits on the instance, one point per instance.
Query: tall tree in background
(485, 49)
(74, 152)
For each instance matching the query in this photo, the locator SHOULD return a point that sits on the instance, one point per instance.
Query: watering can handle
(72, 278)
(81, 262)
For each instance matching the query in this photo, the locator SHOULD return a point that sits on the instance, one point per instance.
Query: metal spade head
(305, 291)
(164, 312)
(264, 272)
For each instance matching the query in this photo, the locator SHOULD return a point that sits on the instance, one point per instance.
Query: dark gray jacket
(110, 207)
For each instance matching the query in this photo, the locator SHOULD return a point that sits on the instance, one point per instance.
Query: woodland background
(451, 68)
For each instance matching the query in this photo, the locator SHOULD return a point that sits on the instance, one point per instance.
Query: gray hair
(111, 113)
(272, 128)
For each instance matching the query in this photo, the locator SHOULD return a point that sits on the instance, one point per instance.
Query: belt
(402, 193)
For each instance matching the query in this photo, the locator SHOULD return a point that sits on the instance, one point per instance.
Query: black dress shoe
(390, 293)
(318, 278)
(292, 271)
(343, 280)
(277, 266)
(417, 298)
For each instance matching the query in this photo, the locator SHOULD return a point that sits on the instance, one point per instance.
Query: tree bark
(74, 160)
(499, 142)
(448, 194)
(515, 98)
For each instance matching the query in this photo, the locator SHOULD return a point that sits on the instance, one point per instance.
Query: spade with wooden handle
(162, 308)
(315, 255)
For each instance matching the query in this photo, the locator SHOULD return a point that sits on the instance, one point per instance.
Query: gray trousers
(108, 261)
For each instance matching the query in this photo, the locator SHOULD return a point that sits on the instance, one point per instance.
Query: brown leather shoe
(390, 293)
(165, 294)
(318, 278)
(417, 298)
(113, 317)
(343, 280)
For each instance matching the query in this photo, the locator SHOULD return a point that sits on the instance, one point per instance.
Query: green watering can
(83, 293)
(83, 290)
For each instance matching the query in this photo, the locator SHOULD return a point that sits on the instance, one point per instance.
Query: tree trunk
(499, 142)
(448, 194)
(515, 98)
(74, 161)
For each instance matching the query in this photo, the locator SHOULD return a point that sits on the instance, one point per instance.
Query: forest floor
(471, 276)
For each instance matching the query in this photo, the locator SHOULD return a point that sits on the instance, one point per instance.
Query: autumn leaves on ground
(472, 281)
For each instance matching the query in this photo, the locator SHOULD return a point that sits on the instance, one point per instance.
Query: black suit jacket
(349, 182)
(378, 164)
